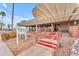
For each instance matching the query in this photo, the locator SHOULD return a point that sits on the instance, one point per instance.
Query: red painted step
(47, 45)
(52, 33)
(48, 42)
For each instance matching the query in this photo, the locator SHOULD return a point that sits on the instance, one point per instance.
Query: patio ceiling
(53, 12)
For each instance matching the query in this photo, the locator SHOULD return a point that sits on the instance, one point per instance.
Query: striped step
(58, 34)
(54, 43)
(47, 44)
(52, 33)
(49, 37)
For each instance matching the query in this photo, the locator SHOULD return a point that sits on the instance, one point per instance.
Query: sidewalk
(4, 50)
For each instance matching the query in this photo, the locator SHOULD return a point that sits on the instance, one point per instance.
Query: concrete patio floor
(66, 43)
(23, 45)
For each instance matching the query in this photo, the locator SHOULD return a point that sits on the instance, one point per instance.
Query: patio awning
(53, 12)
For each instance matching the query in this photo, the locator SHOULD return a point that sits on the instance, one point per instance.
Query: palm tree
(2, 13)
(12, 15)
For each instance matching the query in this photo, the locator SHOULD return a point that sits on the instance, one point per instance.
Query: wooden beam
(50, 11)
(44, 13)
(56, 10)
(65, 8)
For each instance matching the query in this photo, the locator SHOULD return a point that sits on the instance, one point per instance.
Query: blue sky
(22, 11)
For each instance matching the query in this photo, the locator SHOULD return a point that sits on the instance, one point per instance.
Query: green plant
(2, 13)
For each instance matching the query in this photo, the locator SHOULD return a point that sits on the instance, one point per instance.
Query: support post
(52, 27)
(17, 39)
(26, 34)
(36, 28)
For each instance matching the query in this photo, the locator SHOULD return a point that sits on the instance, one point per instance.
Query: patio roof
(54, 12)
